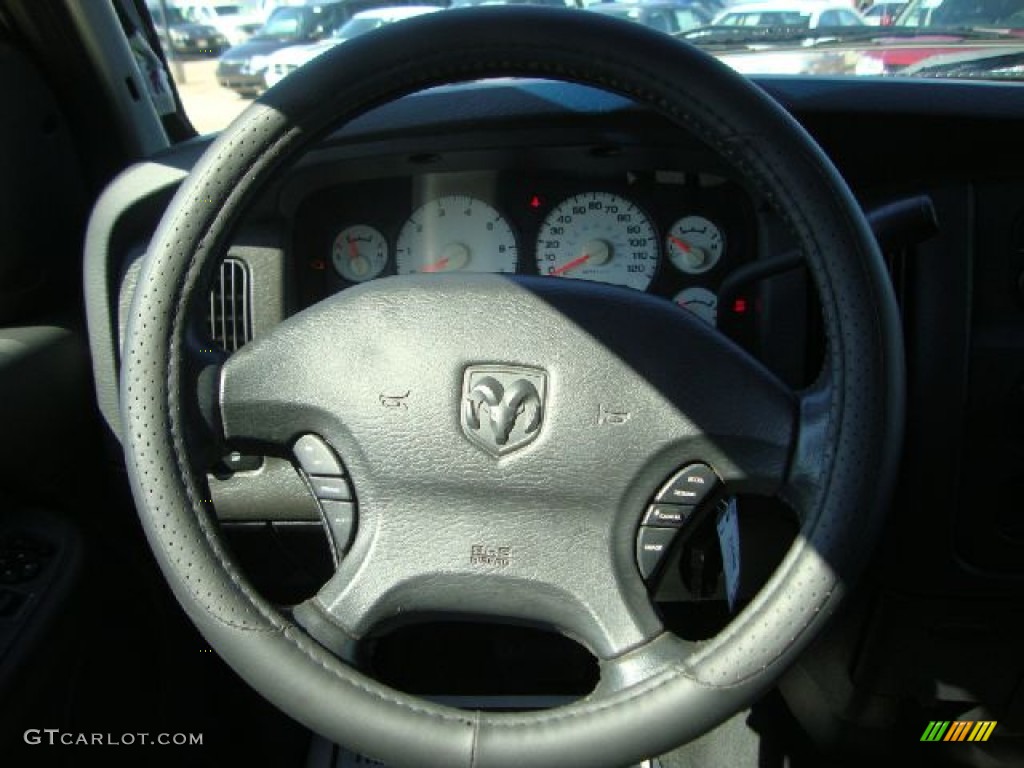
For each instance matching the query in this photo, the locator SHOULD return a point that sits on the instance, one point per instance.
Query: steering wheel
(545, 532)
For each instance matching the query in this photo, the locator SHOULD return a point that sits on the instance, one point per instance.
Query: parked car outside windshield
(241, 68)
(664, 17)
(808, 15)
(969, 14)
(821, 37)
(178, 34)
(883, 14)
(236, 22)
(283, 62)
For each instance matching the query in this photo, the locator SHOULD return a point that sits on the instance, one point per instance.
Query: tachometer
(599, 236)
(454, 233)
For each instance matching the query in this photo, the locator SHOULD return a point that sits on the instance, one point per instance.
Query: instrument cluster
(669, 233)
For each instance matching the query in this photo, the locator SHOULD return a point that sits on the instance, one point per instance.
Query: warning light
(739, 306)
(535, 201)
(318, 264)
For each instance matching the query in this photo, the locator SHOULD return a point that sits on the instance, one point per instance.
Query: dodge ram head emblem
(502, 406)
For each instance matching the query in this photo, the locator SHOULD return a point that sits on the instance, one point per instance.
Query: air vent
(230, 307)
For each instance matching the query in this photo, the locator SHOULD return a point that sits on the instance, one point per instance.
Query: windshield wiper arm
(876, 34)
(730, 36)
(724, 35)
(1002, 65)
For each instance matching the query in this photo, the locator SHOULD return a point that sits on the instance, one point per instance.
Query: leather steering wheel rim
(850, 422)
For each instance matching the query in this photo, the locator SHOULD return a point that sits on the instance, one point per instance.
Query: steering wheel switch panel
(326, 476)
(672, 508)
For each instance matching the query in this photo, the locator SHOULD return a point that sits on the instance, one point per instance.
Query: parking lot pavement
(209, 106)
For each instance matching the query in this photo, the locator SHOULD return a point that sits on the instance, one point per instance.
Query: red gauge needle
(570, 265)
(437, 266)
(683, 246)
(353, 249)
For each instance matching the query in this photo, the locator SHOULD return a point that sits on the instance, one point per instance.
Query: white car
(233, 20)
(809, 14)
(883, 14)
(263, 8)
(283, 62)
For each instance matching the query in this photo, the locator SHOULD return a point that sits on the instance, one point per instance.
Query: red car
(989, 22)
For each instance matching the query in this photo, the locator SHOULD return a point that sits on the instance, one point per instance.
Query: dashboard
(520, 156)
(948, 575)
(571, 184)
(549, 178)
(541, 178)
(638, 208)
(671, 233)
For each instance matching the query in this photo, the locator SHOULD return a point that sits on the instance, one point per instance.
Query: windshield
(662, 18)
(964, 39)
(356, 27)
(285, 22)
(174, 16)
(961, 13)
(765, 19)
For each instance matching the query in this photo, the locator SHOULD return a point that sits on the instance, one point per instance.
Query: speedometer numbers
(598, 236)
(456, 233)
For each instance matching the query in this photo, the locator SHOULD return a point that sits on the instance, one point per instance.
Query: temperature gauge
(702, 302)
(360, 253)
(694, 244)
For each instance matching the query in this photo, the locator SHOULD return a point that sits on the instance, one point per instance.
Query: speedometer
(599, 236)
(456, 233)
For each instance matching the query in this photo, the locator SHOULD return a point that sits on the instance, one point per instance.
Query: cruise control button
(316, 457)
(341, 519)
(652, 545)
(331, 488)
(691, 485)
(667, 515)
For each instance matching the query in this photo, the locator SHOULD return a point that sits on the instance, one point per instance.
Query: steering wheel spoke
(513, 559)
(802, 486)
(660, 655)
(271, 390)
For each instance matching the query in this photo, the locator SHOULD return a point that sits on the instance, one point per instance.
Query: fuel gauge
(694, 244)
(360, 253)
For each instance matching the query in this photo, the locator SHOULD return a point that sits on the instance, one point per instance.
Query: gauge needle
(436, 266)
(353, 249)
(682, 245)
(570, 265)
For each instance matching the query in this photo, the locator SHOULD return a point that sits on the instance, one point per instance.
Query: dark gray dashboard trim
(892, 96)
(102, 269)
